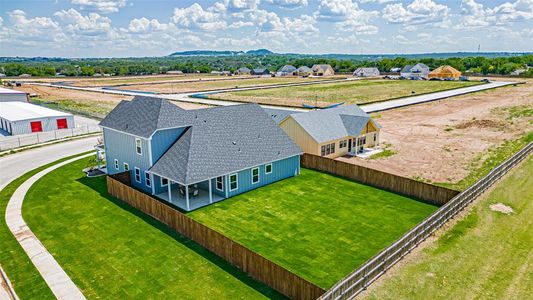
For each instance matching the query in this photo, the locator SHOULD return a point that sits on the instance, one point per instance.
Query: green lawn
(113, 251)
(319, 226)
(357, 91)
(487, 255)
(23, 275)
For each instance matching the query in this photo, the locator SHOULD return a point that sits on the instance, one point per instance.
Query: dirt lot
(356, 91)
(87, 103)
(186, 87)
(438, 141)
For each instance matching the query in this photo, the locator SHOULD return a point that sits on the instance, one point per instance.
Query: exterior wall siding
(281, 169)
(299, 136)
(121, 146)
(162, 140)
(48, 124)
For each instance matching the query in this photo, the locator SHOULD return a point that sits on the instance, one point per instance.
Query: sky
(126, 28)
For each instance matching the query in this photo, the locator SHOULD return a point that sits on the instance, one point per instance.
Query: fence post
(19, 140)
(38, 138)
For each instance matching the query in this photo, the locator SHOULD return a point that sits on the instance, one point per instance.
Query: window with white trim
(137, 174)
(126, 167)
(116, 164)
(268, 169)
(164, 181)
(148, 179)
(255, 175)
(219, 183)
(138, 146)
(233, 185)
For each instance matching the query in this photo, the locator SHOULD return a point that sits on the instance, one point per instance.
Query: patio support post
(226, 187)
(210, 193)
(98, 158)
(187, 196)
(169, 183)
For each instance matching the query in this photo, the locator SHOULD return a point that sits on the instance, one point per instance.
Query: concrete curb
(52, 273)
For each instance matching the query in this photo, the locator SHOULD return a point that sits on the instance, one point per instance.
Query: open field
(455, 141)
(83, 102)
(113, 80)
(485, 255)
(319, 226)
(112, 251)
(186, 87)
(354, 91)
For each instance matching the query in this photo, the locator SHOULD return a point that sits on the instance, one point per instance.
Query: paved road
(14, 165)
(380, 106)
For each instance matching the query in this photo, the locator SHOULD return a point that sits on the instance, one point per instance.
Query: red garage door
(62, 123)
(36, 126)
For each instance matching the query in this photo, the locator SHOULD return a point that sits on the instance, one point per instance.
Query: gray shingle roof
(142, 116)
(224, 140)
(334, 123)
(278, 114)
(406, 69)
(304, 69)
(218, 140)
(323, 67)
(287, 69)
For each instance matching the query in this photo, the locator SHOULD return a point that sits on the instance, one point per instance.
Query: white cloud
(143, 25)
(476, 15)
(289, 4)
(196, 17)
(417, 12)
(347, 16)
(377, 1)
(90, 25)
(101, 6)
(237, 5)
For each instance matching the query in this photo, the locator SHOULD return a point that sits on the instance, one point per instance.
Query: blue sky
(122, 28)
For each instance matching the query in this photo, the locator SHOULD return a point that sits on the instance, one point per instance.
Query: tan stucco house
(334, 132)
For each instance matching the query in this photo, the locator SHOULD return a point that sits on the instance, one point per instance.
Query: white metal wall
(48, 124)
(13, 97)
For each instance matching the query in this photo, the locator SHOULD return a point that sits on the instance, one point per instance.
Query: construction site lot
(92, 104)
(209, 85)
(455, 141)
(350, 91)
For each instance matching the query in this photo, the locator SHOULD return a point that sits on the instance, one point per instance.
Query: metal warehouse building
(22, 117)
(8, 95)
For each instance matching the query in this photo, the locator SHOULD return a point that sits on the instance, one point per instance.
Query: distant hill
(260, 52)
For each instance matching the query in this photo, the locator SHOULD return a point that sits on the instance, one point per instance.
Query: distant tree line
(206, 64)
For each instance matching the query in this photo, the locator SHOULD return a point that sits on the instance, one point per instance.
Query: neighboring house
(395, 70)
(286, 70)
(303, 71)
(243, 71)
(21, 117)
(445, 72)
(196, 157)
(175, 72)
(366, 72)
(332, 132)
(260, 71)
(9, 95)
(322, 70)
(419, 70)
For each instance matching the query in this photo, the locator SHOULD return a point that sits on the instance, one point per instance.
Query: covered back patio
(187, 197)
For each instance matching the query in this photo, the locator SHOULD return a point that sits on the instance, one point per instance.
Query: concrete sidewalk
(56, 278)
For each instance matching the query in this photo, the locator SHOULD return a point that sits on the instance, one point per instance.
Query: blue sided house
(192, 158)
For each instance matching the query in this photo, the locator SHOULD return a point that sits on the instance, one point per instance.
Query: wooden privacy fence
(258, 267)
(401, 185)
(357, 281)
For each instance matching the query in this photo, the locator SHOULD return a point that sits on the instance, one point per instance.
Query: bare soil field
(444, 141)
(353, 91)
(83, 102)
(197, 86)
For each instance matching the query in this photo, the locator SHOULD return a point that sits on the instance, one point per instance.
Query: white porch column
(226, 187)
(169, 183)
(377, 138)
(210, 192)
(187, 196)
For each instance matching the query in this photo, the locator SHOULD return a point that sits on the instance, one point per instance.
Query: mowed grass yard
(486, 255)
(317, 225)
(355, 91)
(113, 251)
